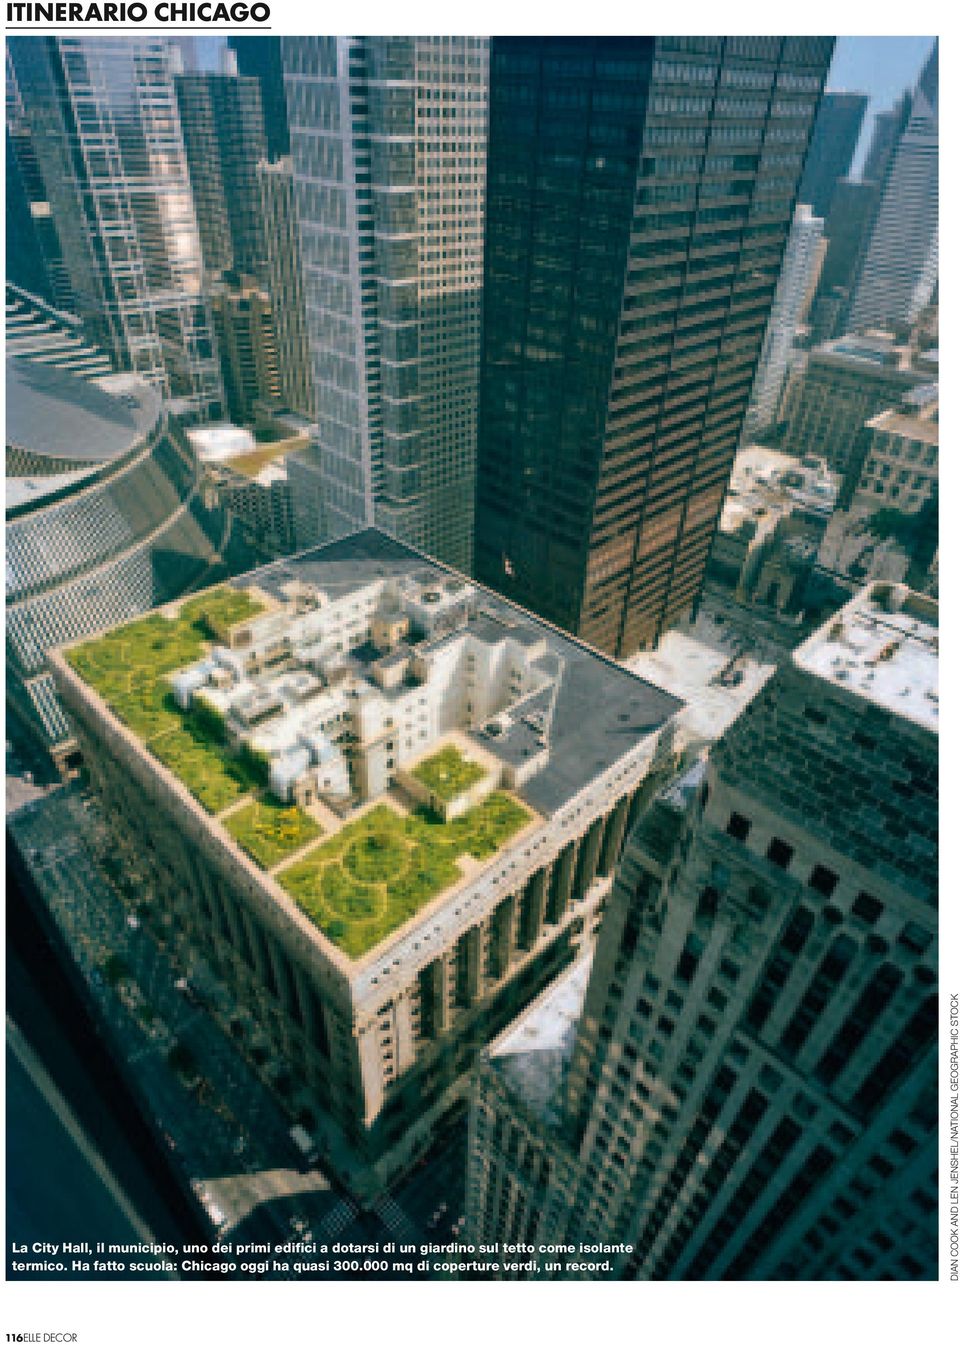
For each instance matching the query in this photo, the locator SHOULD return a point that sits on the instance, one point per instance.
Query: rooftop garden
(271, 831)
(220, 608)
(379, 871)
(447, 774)
(128, 667)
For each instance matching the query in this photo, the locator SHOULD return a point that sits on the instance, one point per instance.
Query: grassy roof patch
(128, 668)
(270, 831)
(447, 774)
(377, 872)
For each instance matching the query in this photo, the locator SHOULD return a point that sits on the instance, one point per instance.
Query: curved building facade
(104, 520)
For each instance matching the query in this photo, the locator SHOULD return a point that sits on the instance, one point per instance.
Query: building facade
(802, 262)
(243, 321)
(353, 675)
(105, 129)
(224, 138)
(752, 1089)
(35, 331)
(898, 463)
(832, 145)
(34, 255)
(640, 193)
(898, 273)
(847, 228)
(842, 384)
(388, 142)
(104, 519)
(284, 282)
(260, 57)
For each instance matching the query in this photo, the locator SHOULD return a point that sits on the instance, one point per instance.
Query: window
(902, 1142)
(822, 880)
(707, 905)
(738, 827)
(915, 937)
(779, 853)
(867, 908)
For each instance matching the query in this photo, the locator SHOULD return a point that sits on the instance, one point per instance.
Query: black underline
(137, 28)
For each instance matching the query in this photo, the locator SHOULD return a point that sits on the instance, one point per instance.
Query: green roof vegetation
(220, 608)
(377, 872)
(271, 831)
(212, 774)
(447, 774)
(128, 667)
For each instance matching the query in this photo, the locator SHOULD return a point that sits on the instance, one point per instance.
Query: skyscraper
(640, 193)
(34, 258)
(832, 145)
(752, 1091)
(899, 267)
(243, 318)
(285, 284)
(888, 127)
(388, 141)
(260, 57)
(104, 126)
(801, 267)
(847, 228)
(224, 138)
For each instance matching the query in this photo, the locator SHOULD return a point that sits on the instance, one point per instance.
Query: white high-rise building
(802, 262)
(900, 266)
(104, 123)
(388, 142)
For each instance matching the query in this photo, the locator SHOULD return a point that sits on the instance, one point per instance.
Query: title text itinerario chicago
(168, 11)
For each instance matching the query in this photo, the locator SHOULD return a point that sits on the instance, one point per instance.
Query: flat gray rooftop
(602, 710)
(57, 414)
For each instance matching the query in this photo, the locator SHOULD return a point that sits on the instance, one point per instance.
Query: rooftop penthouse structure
(384, 803)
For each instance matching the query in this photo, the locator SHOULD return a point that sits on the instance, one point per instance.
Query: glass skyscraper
(223, 132)
(835, 136)
(388, 141)
(639, 197)
(285, 284)
(260, 56)
(102, 118)
(899, 267)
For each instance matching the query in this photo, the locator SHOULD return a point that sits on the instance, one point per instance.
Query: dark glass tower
(847, 228)
(835, 135)
(223, 134)
(260, 56)
(640, 192)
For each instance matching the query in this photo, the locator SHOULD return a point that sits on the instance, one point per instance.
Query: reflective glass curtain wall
(639, 196)
(104, 124)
